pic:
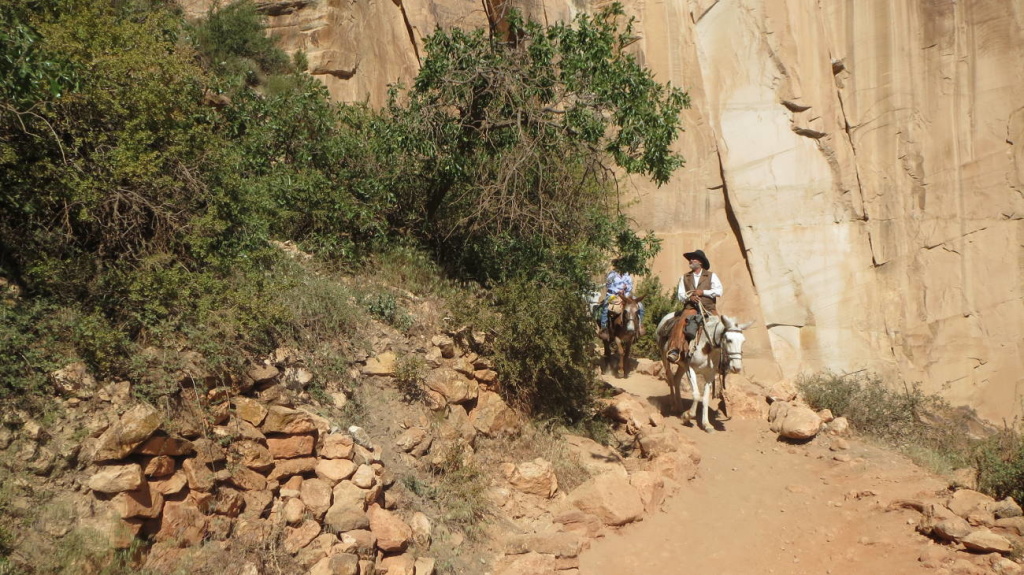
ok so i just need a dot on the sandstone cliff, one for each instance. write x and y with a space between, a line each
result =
855 169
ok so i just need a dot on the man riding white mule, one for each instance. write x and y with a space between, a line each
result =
698 290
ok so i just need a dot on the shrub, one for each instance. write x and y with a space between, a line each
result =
319 307
7 536
657 303
384 306
410 374
544 350
460 491
413 269
232 41
893 415
924 426
30 348
544 439
830 391
999 462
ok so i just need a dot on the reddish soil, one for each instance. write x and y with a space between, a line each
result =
760 505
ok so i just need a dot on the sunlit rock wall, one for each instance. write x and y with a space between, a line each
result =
871 159
854 169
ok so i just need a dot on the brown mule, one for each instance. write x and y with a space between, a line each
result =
623 330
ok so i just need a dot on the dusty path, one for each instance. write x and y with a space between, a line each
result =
762 506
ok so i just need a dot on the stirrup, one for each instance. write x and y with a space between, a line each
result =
672 355
602 334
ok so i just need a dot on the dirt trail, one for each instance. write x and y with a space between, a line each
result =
762 506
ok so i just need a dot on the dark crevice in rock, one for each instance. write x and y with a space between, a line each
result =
409 30
794 107
699 17
282 7
809 133
734 223
341 74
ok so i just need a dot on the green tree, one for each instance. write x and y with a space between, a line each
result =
516 143
123 203
233 44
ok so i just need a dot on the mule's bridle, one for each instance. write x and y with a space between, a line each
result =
719 341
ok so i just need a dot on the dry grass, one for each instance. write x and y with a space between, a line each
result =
931 432
536 440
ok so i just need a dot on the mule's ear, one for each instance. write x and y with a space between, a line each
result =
641 298
744 326
728 322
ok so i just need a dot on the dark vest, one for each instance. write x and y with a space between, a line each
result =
704 284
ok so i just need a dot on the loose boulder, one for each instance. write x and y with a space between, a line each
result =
130 431
535 477
610 497
393 534
117 478
794 421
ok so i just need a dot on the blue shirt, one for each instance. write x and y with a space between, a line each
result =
617 282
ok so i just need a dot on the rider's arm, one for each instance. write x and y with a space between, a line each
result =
681 290
609 282
716 287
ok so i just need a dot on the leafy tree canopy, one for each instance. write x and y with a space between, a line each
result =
146 163
517 142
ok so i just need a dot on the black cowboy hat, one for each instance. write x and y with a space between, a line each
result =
698 255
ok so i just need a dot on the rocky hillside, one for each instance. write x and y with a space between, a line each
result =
412 466
854 170
268 474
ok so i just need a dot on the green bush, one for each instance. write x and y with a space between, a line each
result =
999 462
410 375
924 426
7 537
657 303
544 350
460 491
30 75
318 307
414 270
316 168
232 42
105 173
893 415
137 206
30 348
384 306
830 391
